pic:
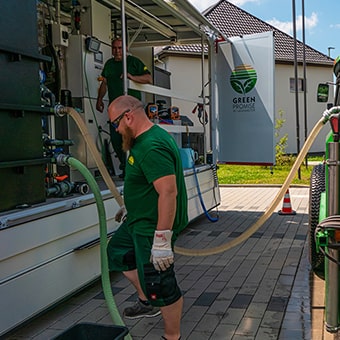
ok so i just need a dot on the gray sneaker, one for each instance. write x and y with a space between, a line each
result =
139 310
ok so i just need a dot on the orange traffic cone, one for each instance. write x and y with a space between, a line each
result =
287 207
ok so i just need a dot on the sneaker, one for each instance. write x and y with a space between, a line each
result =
139 310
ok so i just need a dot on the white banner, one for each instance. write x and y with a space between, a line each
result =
244 117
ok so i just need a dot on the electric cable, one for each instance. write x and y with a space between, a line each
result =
206 213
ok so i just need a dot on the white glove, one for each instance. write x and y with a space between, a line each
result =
121 214
161 253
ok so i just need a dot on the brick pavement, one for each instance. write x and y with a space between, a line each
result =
261 289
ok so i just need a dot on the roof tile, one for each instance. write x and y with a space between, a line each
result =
233 21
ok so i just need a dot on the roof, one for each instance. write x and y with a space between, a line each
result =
232 21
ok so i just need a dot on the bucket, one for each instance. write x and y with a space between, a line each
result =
90 331
188 156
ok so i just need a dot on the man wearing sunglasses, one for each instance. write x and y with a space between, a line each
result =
112 81
156 203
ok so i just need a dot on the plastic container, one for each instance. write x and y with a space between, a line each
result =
91 331
188 156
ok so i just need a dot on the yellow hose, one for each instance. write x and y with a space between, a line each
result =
226 246
95 154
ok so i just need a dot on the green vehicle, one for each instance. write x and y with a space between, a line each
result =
324 209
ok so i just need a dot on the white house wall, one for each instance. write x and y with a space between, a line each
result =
285 102
186 77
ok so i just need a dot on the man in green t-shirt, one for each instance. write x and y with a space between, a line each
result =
156 204
112 81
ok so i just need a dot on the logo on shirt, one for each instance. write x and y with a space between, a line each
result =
131 160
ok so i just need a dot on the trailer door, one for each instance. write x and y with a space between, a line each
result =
243 117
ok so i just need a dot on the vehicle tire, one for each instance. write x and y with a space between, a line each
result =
317 186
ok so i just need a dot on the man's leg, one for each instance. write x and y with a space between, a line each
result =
142 307
122 258
132 276
172 315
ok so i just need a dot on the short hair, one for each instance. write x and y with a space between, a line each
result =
116 39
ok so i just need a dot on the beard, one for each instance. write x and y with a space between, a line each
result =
128 140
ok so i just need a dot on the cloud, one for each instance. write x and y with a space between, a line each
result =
201 5
287 26
242 2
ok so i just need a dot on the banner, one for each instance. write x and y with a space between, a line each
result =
244 120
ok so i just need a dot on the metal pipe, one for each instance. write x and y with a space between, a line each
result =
332 269
124 43
296 88
304 76
203 98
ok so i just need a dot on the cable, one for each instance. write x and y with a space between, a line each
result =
206 213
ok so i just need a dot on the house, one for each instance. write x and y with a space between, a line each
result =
183 61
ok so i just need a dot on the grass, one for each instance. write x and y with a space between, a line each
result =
244 174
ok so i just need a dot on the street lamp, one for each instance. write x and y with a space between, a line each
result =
329 51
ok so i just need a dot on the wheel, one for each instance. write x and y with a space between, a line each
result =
317 186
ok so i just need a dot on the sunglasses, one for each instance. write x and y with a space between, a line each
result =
116 122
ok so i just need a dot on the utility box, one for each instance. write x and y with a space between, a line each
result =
96 21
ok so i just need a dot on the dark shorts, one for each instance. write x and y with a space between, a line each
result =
127 251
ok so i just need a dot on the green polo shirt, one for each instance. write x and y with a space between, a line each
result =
113 71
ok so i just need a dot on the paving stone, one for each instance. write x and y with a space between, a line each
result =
259 290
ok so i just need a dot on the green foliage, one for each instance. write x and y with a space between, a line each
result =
280 147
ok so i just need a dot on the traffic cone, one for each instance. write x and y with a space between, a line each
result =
287 207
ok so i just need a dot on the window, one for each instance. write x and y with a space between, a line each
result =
300 84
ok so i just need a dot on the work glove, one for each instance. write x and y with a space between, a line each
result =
121 214
161 252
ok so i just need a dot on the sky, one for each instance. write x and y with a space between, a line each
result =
322 19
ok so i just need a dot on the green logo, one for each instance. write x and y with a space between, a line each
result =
243 79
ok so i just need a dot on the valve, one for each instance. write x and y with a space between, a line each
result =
334 120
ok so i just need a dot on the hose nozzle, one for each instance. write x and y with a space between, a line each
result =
328 113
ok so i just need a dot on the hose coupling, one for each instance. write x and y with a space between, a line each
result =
328 113
60 110
61 159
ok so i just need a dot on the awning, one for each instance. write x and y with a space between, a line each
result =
161 22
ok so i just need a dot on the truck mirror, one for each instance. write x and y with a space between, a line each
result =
323 90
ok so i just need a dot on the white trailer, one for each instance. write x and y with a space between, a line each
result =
49 245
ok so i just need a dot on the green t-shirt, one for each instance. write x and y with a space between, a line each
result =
113 71
153 155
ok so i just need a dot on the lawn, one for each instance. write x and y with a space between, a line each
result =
244 174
